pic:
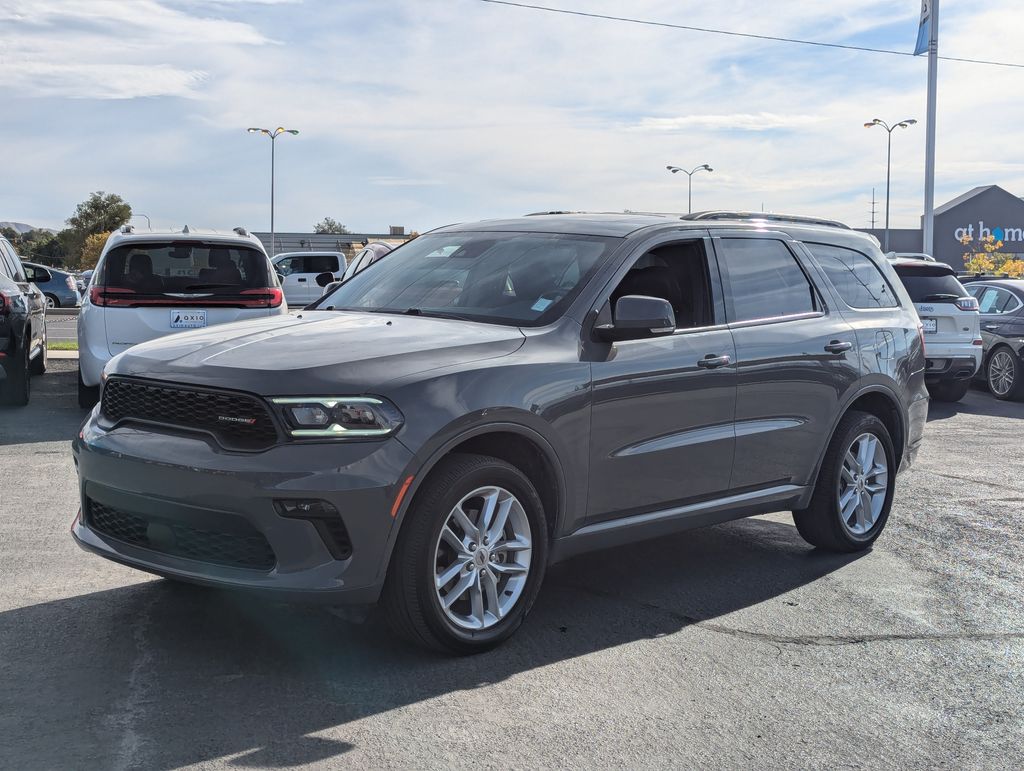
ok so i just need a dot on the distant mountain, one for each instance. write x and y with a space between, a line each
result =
21 227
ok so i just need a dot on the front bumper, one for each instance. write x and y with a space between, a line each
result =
179 506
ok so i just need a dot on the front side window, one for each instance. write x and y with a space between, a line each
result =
763 280
857 279
290 265
505 278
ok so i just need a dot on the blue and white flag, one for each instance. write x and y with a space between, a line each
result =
922 31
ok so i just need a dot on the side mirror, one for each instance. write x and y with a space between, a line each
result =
323 279
331 287
637 317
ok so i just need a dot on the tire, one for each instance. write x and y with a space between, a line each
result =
87 395
52 301
1003 374
822 524
411 601
17 388
40 362
949 390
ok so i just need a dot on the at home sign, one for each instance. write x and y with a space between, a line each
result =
999 233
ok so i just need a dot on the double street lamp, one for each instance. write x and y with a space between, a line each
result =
273 134
888 161
689 181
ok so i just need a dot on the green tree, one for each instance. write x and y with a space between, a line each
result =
330 225
100 213
10 234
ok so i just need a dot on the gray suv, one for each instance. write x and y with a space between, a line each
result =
498 396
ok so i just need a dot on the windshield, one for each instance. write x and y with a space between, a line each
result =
505 278
185 267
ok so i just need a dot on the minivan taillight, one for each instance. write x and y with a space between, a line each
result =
5 304
111 296
267 297
968 304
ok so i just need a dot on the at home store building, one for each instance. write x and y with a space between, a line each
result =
986 210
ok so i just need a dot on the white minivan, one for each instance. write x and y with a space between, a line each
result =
151 284
299 271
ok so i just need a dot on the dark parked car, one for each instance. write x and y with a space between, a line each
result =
58 286
22 329
494 397
1001 302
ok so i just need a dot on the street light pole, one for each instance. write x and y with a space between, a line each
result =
273 134
888 162
689 181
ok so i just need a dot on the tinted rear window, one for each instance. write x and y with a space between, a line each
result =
934 285
185 267
764 279
856 278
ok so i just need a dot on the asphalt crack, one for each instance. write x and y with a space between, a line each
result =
807 640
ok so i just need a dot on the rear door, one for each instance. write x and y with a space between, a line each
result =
149 290
795 356
999 312
934 290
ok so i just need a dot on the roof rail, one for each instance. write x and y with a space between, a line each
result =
755 216
241 231
542 213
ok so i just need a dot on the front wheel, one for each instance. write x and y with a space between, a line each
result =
853 494
470 558
949 391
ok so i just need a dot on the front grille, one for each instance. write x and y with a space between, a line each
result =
237 550
238 421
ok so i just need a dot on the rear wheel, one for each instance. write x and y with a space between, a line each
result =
87 395
949 390
853 494
1003 374
470 557
18 386
52 301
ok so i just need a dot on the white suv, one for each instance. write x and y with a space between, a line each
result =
299 272
151 284
950 322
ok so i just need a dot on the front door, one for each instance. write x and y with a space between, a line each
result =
663 408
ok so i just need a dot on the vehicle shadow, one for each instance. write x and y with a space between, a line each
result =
978 401
166 675
52 414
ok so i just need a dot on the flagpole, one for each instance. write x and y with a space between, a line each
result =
929 148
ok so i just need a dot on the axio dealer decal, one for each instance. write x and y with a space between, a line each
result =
998 233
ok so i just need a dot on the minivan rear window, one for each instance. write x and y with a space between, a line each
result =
930 283
185 267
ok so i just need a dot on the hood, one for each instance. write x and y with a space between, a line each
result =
316 352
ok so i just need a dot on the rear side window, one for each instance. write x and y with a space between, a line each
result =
930 284
857 279
995 300
763 280
321 263
184 268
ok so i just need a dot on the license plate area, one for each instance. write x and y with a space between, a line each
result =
931 326
188 319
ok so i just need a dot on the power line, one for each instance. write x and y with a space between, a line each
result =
732 33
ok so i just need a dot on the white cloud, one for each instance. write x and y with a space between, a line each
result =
763 121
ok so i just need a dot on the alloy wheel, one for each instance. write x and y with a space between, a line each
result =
482 558
1001 372
863 484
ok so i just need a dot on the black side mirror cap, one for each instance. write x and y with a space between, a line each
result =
323 279
637 317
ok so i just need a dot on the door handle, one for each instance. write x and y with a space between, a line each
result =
838 346
990 327
711 361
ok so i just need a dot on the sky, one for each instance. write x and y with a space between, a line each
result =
426 112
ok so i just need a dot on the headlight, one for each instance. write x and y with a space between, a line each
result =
338 417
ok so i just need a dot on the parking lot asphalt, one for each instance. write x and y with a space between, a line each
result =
732 646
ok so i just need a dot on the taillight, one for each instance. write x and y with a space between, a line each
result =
968 304
268 297
5 304
70 282
111 296
977 341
